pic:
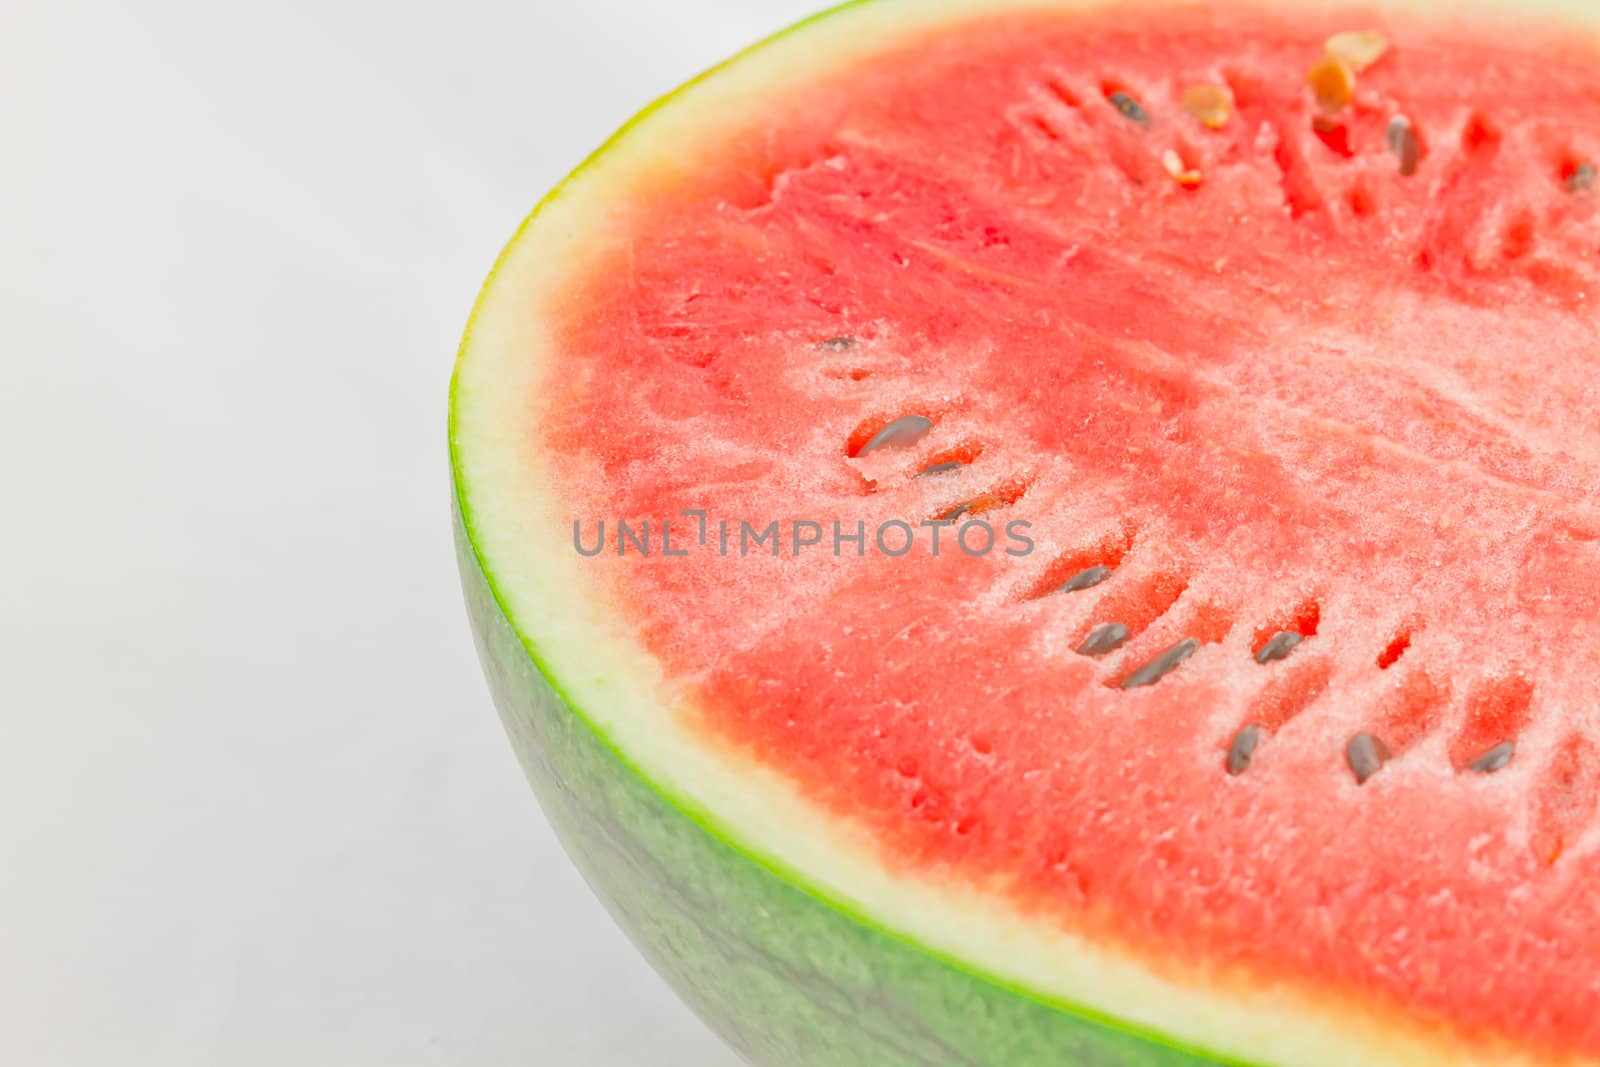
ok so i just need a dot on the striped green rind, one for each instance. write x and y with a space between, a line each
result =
783 976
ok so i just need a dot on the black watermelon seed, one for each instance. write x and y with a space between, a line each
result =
1129 108
1496 759
1367 755
904 431
1085 579
1107 637
1582 179
954 513
1404 144
1278 646
836 344
941 468
1162 665
1243 748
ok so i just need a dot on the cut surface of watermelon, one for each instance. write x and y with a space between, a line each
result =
1132 498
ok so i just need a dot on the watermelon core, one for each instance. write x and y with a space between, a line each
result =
1286 370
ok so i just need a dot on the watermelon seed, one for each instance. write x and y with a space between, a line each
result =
1366 754
1186 176
1107 637
1582 179
901 433
1210 104
1495 759
1243 748
1162 665
836 344
1129 108
941 468
1278 646
1403 142
1085 579
979 504
1332 82
1357 49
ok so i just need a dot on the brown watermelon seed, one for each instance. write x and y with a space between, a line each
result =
1366 754
976 506
1582 179
1496 759
1085 579
941 468
1210 104
1107 637
1129 108
1243 748
836 344
1357 49
903 432
1403 142
1162 665
1278 646
1333 83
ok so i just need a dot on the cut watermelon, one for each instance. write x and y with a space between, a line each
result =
1244 363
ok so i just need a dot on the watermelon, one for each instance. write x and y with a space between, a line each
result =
1012 533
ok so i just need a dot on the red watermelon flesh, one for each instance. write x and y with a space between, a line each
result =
1330 371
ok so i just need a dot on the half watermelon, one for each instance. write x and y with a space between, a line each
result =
1014 533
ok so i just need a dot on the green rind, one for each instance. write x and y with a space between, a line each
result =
785 977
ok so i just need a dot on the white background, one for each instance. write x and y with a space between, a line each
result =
255 807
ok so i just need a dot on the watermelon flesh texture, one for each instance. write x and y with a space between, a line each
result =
1314 388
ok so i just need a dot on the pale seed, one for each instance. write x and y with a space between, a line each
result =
1211 104
1357 49
1184 176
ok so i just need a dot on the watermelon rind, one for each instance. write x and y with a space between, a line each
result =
775 922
